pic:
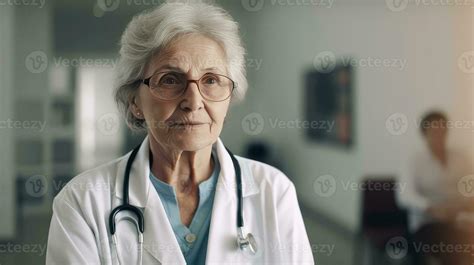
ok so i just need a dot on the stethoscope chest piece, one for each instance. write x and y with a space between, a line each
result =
247 243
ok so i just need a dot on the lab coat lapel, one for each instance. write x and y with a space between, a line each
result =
159 239
222 243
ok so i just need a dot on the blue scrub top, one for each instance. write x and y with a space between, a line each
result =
193 239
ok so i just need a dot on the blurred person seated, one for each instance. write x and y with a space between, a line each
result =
437 208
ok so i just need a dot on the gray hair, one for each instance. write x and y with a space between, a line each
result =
151 31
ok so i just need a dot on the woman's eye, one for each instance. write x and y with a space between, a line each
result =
210 80
170 79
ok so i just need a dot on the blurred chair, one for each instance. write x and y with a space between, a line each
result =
382 221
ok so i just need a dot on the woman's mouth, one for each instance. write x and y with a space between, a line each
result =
187 124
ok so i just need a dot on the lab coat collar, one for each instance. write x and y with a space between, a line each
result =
139 186
227 176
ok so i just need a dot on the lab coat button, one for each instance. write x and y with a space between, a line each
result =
190 238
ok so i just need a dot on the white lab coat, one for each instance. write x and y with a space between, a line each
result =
79 231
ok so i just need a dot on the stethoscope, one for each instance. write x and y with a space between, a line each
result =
246 242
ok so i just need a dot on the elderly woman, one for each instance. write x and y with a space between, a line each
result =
180 197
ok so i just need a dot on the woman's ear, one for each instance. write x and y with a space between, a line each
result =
134 107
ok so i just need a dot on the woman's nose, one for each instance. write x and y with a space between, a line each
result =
192 98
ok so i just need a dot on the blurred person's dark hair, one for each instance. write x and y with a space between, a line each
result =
430 117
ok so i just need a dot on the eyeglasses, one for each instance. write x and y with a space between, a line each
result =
172 85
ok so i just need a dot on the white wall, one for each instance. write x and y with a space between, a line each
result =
7 179
288 38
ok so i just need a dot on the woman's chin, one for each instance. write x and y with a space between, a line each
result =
192 142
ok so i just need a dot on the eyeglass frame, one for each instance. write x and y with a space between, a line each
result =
146 81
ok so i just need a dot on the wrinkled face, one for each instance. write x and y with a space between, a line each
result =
189 122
